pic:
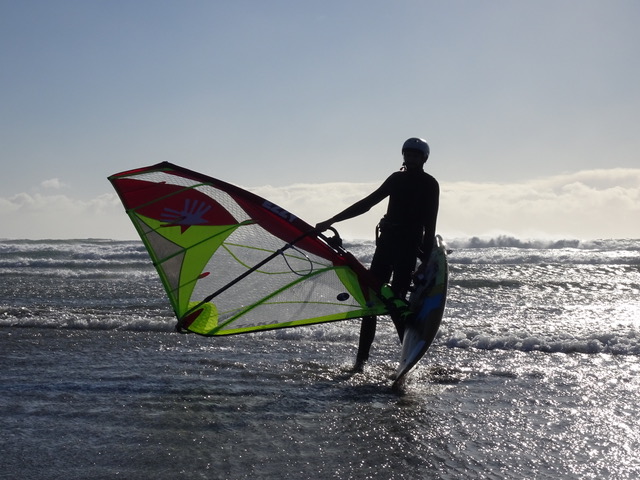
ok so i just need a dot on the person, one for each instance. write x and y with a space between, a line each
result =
405 233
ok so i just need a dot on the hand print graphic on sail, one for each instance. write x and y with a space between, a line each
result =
192 213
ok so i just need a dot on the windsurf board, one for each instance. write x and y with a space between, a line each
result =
426 301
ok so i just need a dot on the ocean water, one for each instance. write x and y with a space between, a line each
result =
535 374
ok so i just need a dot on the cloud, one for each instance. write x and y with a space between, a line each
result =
583 205
317 202
587 204
38 216
53 183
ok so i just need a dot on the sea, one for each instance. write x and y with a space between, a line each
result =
534 374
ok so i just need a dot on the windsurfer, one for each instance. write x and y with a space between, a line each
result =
406 232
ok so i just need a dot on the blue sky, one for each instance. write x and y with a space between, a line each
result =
531 108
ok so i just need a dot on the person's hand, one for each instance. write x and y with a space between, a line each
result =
322 226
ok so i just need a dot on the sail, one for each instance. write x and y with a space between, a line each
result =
232 262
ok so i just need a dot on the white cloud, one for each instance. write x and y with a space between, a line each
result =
53 183
583 205
61 216
317 202
588 204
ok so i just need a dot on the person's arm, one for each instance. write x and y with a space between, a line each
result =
358 208
429 222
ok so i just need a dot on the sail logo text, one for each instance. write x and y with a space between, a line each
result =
281 212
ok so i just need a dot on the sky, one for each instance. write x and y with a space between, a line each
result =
531 109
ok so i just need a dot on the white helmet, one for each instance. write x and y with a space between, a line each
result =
417 144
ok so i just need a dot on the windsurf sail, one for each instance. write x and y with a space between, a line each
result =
232 262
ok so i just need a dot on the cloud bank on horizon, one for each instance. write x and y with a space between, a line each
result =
588 204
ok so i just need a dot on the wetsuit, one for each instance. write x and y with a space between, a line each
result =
406 232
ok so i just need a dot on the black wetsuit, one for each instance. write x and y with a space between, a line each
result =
406 231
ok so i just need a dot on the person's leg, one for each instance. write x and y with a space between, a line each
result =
381 269
404 264
367 334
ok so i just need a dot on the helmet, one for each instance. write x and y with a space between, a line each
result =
417 144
